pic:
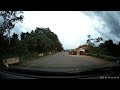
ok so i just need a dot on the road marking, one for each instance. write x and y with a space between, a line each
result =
29 66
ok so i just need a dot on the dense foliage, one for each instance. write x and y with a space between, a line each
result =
41 40
110 48
10 18
106 48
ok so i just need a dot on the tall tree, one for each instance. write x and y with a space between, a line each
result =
22 36
95 40
15 36
14 40
10 19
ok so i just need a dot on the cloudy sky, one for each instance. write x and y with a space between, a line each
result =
72 27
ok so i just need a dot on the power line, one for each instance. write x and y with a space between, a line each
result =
22 26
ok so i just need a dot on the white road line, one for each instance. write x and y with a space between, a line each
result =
29 66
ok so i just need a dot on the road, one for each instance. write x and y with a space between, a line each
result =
62 61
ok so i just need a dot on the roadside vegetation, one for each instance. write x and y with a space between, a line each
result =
107 50
30 44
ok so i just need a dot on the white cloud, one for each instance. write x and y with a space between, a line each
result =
72 27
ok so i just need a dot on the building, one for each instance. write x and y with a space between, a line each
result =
80 50
85 47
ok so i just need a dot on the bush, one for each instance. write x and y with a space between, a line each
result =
26 57
105 57
95 55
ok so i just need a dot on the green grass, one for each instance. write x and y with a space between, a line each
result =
28 57
105 57
32 56
23 58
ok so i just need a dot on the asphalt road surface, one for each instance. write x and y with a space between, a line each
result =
62 61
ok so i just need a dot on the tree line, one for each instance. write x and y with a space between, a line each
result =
40 40
107 48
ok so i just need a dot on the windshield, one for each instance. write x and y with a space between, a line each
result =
59 41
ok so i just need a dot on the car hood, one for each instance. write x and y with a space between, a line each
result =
70 73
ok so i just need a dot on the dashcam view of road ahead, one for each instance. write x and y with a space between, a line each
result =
60 42
63 62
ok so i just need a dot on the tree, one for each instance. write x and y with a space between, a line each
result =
42 40
95 40
119 44
98 39
110 48
10 19
15 36
22 36
14 40
89 42
54 43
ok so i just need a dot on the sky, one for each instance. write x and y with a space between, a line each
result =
72 27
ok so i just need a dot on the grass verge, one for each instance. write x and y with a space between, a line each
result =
32 56
28 57
104 57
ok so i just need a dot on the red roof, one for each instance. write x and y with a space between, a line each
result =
86 47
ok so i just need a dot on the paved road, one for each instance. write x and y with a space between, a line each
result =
63 61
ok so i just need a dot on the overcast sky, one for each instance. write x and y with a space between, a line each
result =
72 27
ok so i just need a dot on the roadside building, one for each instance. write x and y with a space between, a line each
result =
85 47
81 50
